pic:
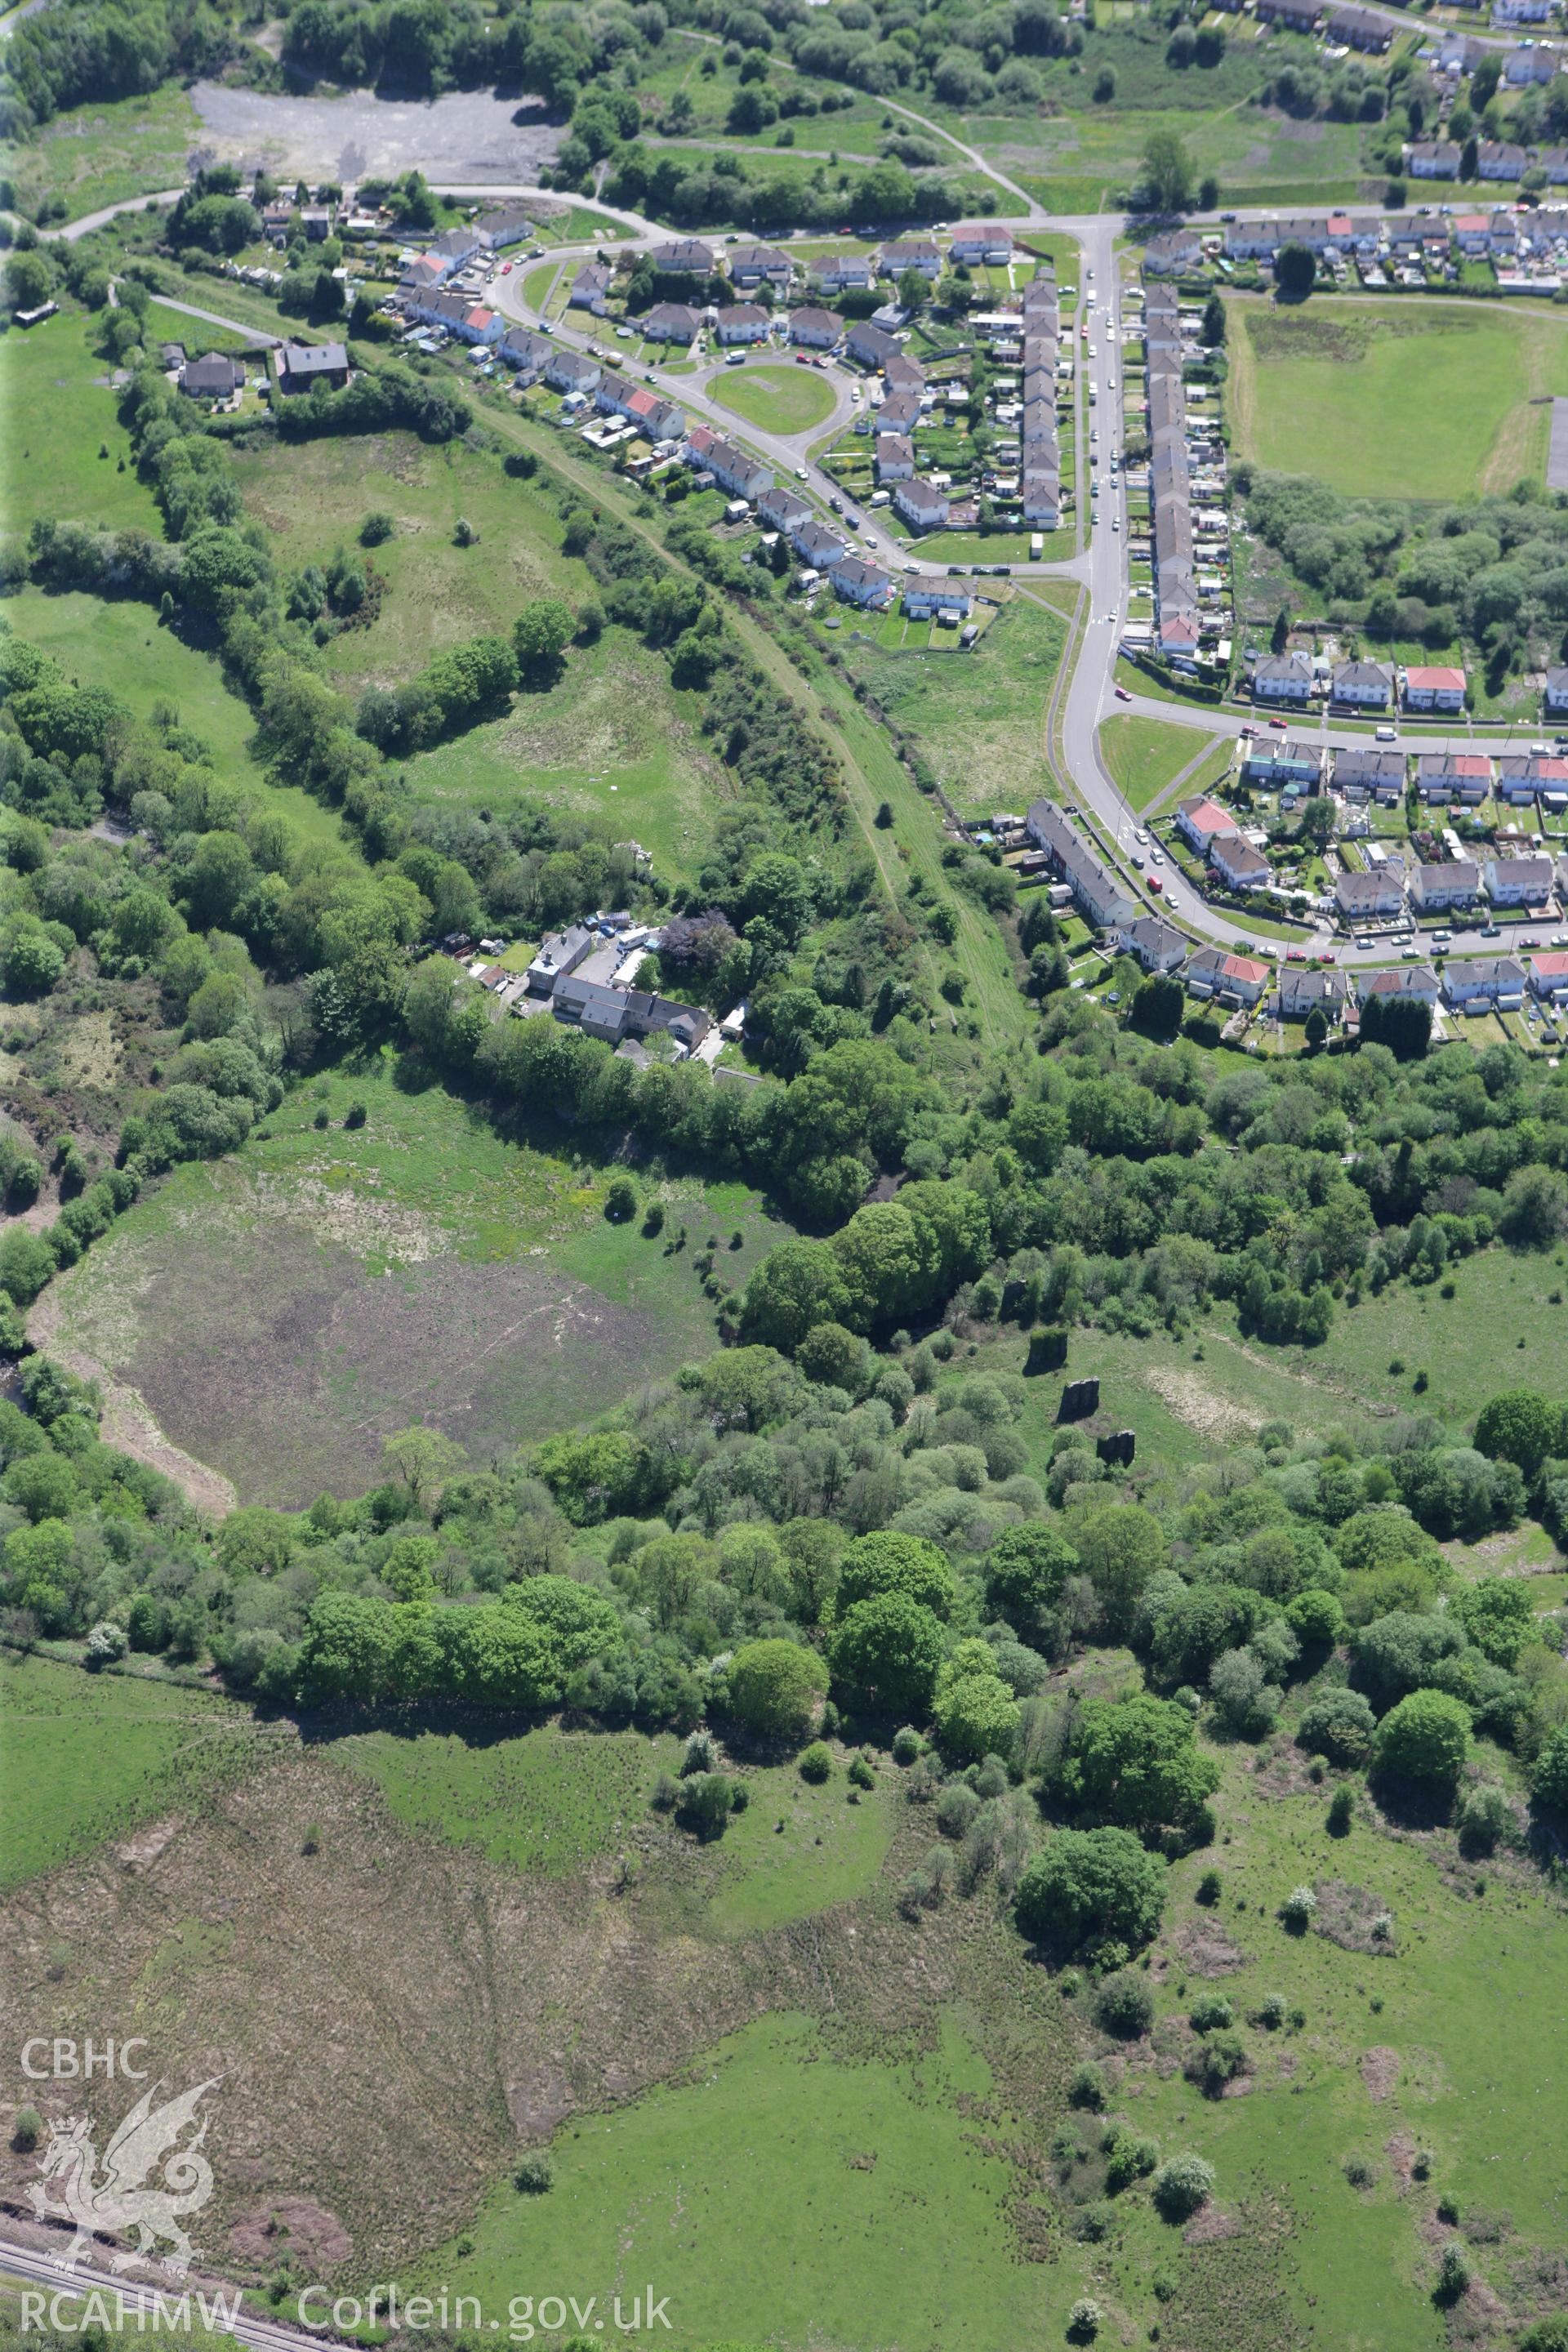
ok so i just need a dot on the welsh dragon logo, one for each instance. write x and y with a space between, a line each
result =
129 2196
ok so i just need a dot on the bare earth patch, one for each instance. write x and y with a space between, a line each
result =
1380 2072
1202 1408
1345 1915
297 2226
1213 2226
1205 1951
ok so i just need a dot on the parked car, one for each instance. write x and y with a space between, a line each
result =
1278 722
1124 695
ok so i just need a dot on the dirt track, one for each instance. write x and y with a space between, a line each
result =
470 135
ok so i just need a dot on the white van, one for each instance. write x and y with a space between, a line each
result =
1385 734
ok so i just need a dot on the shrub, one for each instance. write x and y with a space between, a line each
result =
1454 2271
1210 1889
1551 1773
621 1199
704 1806
701 1753
817 1762
105 1644
1342 1812
1182 2185
1091 1886
1210 2012
1087 2088
775 1687
1486 1821
1220 2059
907 1745
1338 1724
665 1793
1425 1739
1298 1910
1127 2158
534 2176
956 1809
1084 2319
1358 2172
1124 2004
861 1774
27 2130
1270 2011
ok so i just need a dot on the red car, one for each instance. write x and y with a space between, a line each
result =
1122 694
1154 883
1280 723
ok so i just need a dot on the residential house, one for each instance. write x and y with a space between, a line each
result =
591 287
1283 678
1434 689
497 230
1529 65
742 322
818 545
926 594
1521 779
1100 896
982 241
900 413
657 420
454 246
1303 992
1555 699
568 371
732 468
859 582
894 458
1364 770
1438 889
671 322
1239 866
592 1005
1203 821
836 273
303 366
917 253
1363 684
1358 29
1361 897
1296 16
1501 159
1492 981
1274 762
212 377
1411 984
923 507
1432 159
1178 636
759 264
901 373
782 509
559 955
1230 979
818 329
1155 944
1549 976
1518 881
1171 251
1464 776
683 256
1261 240
317 221
1472 234
868 346
529 353
422 273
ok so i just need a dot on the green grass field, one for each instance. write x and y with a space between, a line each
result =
283 1309
776 399
978 717
1144 755
122 647
59 411
1461 381
102 153
84 1758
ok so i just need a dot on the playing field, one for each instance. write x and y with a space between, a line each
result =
1420 400
779 399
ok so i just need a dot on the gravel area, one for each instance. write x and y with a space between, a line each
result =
470 135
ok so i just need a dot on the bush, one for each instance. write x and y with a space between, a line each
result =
1209 2011
664 1794
105 1644
1358 2172
775 1688
1210 1889
1424 1739
817 1762
956 1809
1338 1724
1093 1886
1486 1821
1084 2320
1298 1910
1454 2271
1270 2011
1182 2185
27 2130
1340 1812
860 1774
1124 2004
1550 1783
1219 2060
534 2176
621 1201
1087 2088
705 1803
907 1745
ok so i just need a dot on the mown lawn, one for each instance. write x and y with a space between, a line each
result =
1144 755
776 399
